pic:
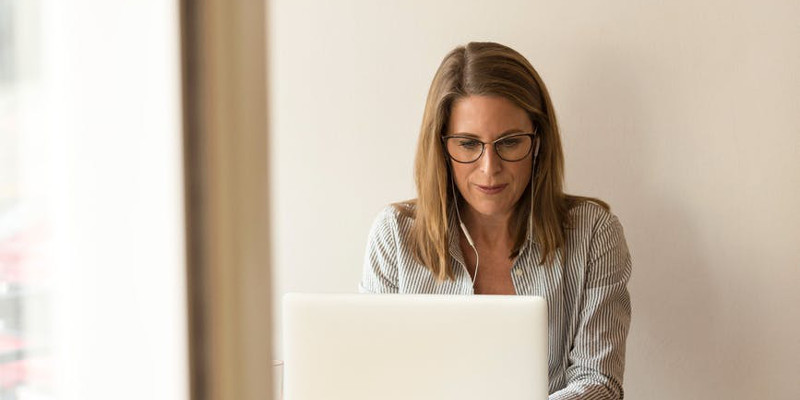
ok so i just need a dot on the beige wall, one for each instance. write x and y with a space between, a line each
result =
683 115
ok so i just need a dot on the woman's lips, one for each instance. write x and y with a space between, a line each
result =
492 189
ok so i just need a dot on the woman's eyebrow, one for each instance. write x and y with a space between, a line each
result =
511 132
472 135
508 132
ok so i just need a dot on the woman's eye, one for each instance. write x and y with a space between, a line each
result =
468 144
511 142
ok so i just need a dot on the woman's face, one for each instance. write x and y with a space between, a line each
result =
490 185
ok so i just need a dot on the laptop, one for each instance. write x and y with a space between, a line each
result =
414 347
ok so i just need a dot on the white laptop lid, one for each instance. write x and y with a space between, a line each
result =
420 347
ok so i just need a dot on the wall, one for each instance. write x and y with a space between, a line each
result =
683 115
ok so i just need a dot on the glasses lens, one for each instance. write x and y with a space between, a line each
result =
514 148
464 149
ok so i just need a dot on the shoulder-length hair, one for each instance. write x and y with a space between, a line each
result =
494 70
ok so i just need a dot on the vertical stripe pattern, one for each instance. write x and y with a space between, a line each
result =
585 287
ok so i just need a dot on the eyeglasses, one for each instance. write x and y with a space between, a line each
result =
467 149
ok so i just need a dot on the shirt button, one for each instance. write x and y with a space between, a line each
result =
518 272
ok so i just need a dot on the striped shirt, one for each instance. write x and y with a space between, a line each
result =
588 304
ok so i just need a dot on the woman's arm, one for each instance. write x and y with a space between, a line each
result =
597 358
380 259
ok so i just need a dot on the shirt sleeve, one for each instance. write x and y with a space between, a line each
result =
380 258
597 358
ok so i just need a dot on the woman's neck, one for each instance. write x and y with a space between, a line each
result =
488 230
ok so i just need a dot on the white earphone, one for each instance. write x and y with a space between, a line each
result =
464 229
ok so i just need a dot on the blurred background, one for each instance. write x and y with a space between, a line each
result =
684 116
92 291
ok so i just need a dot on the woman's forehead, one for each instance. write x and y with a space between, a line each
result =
487 117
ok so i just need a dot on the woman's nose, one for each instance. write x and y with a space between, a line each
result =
490 162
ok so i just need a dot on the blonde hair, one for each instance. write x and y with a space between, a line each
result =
496 70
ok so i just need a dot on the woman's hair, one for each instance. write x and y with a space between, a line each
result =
488 69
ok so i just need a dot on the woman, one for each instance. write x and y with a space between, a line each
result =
491 217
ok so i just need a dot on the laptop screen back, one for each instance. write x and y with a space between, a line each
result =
422 347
